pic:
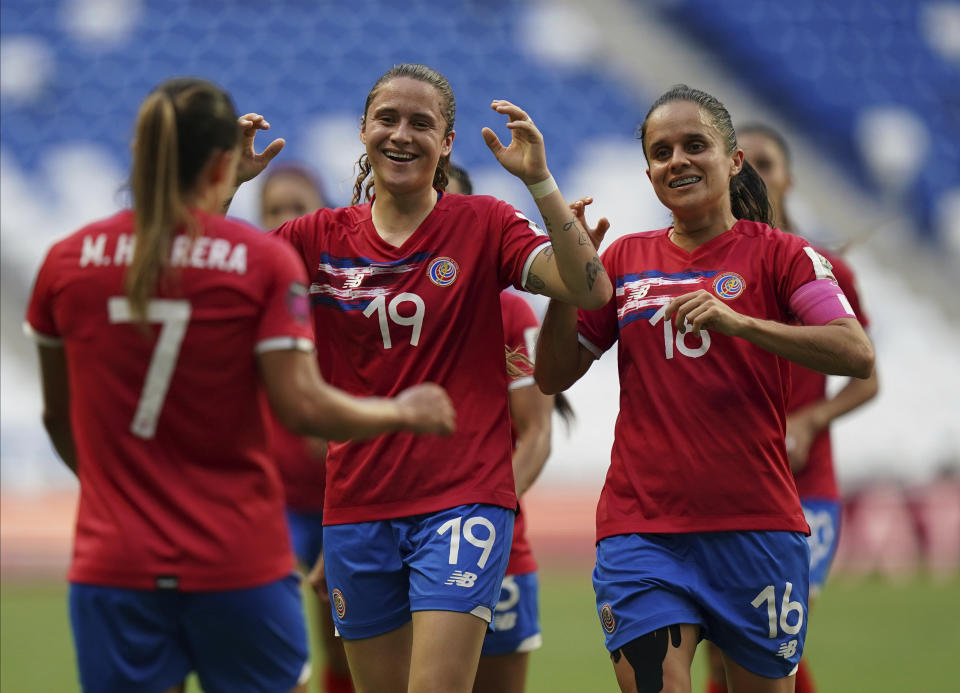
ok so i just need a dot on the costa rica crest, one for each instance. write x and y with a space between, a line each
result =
443 271
728 285
606 618
339 603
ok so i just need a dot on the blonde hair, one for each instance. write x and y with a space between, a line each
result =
179 126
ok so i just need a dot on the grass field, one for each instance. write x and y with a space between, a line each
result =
867 636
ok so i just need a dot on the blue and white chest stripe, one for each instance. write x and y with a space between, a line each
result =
632 290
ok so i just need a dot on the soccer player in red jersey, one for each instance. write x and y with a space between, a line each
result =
163 334
290 191
506 651
700 532
810 409
405 288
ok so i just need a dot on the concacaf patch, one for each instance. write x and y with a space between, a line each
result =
728 285
339 603
297 302
443 271
606 618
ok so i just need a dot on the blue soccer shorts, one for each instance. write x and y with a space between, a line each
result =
306 535
823 516
747 591
451 560
516 619
246 640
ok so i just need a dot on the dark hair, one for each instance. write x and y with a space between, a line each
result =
181 124
748 193
786 223
563 407
296 171
460 175
774 136
448 108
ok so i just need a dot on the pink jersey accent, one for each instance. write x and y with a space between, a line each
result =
390 317
198 498
818 479
518 320
820 302
699 441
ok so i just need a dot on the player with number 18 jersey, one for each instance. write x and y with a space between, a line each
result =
679 463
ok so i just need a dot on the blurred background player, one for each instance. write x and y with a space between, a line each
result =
699 528
290 191
162 333
405 288
810 409
506 651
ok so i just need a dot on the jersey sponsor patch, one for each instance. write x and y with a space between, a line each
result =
339 603
443 271
728 285
606 618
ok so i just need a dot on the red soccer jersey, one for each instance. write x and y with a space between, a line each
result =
817 479
387 318
176 485
520 333
302 469
699 441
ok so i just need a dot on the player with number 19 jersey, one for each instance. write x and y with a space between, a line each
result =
389 317
699 441
177 489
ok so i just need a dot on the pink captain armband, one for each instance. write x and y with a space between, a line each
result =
820 302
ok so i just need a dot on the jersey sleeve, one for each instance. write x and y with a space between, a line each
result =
40 323
301 234
520 328
285 322
599 329
520 241
848 283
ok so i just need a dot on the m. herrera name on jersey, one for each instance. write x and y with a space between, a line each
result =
202 253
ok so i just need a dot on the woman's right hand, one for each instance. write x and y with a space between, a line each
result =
426 408
251 163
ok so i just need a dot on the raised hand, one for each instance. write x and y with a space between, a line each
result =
596 233
525 156
251 163
426 408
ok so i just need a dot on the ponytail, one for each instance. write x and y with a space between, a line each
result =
157 202
180 126
748 196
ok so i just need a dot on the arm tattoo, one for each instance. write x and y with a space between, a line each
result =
546 223
535 283
570 224
548 253
594 268
582 239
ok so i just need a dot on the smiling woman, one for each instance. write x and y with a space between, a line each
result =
406 289
700 532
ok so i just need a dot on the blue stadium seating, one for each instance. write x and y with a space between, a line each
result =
824 63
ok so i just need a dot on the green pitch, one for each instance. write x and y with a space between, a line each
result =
864 636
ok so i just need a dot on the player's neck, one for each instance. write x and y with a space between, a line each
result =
396 217
691 232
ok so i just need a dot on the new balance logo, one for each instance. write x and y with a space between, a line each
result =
354 280
787 649
461 579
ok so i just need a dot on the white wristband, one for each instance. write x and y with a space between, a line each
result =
543 188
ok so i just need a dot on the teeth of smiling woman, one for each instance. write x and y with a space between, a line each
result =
684 181
399 156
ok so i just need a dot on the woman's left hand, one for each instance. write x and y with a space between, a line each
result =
525 157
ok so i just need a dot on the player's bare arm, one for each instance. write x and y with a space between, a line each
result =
56 402
840 347
572 272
